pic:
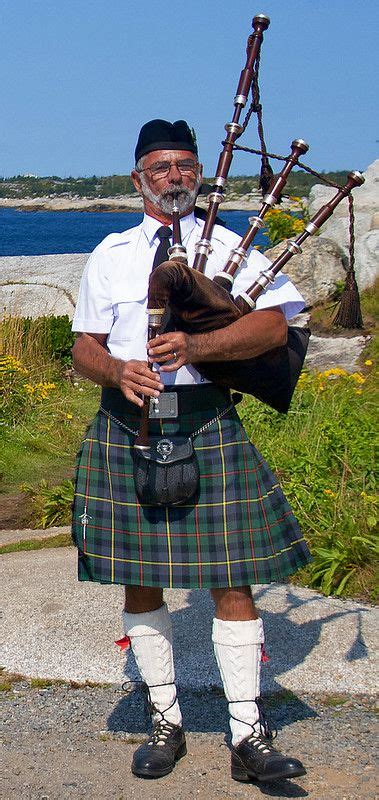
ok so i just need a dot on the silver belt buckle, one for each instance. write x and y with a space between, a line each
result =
164 407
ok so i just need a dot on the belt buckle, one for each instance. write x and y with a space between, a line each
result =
164 407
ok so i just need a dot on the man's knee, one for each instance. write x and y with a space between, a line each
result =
235 603
139 599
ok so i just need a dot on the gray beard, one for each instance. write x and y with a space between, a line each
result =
185 198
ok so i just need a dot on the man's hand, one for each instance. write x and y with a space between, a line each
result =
135 378
247 337
173 350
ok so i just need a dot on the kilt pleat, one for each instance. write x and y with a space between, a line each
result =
240 529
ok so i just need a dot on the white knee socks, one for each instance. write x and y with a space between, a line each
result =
238 647
151 640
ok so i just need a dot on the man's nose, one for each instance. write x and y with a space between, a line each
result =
174 173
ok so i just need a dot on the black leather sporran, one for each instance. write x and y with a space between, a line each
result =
167 472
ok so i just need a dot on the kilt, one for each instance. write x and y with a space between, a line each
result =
239 530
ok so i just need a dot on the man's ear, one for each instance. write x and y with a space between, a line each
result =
136 178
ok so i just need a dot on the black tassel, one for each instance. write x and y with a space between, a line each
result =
349 314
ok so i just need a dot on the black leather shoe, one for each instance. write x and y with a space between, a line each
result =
159 754
255 759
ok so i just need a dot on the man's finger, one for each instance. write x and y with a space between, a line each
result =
162 359
163 338
141 368
142 388
133 398
143 378
174 366
163 349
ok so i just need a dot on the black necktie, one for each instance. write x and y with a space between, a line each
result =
164 234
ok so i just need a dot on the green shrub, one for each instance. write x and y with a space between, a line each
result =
337 561
51 504
323 454
283 224
57 336
19 391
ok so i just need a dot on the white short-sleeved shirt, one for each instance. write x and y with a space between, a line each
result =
113 291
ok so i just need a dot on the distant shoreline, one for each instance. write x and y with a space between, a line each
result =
125 204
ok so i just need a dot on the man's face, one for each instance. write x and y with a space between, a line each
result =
165 174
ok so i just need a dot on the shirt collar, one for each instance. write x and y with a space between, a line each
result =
150 226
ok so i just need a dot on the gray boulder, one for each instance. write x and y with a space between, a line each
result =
366 212
31 286
316 270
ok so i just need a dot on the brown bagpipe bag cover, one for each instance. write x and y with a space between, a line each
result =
199 305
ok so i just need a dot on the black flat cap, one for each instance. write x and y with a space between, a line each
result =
158 134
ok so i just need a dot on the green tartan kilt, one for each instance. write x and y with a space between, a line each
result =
238 531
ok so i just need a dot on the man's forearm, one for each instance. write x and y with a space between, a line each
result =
249 336
92 360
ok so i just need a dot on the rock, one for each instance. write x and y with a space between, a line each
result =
366 213
316 271
31 286
342 351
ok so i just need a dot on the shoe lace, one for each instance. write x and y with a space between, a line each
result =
266 731
162 726
160 733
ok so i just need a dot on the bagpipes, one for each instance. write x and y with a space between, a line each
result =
200 305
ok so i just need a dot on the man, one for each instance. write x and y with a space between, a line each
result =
239 530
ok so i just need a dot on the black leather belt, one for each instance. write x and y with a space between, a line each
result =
190 397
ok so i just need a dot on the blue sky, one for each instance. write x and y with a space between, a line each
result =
79 78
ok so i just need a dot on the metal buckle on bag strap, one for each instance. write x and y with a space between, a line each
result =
164 407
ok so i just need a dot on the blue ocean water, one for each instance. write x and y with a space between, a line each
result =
32 233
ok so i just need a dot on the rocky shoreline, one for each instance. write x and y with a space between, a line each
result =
125 203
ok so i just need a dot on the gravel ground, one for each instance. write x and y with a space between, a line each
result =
62 743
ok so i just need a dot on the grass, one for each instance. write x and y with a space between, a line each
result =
8 681
335 700
61 540
323 455
43 443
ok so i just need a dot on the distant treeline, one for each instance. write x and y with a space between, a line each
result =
22 186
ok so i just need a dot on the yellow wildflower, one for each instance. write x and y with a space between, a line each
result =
329 493
68 416
358 391
335 372
370 498
357 377
11 364
368 362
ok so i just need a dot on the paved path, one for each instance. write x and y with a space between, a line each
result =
55 627
31 534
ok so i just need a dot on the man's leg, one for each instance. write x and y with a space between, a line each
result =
148 625
238 638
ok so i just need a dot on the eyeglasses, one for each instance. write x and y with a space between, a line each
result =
160 169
